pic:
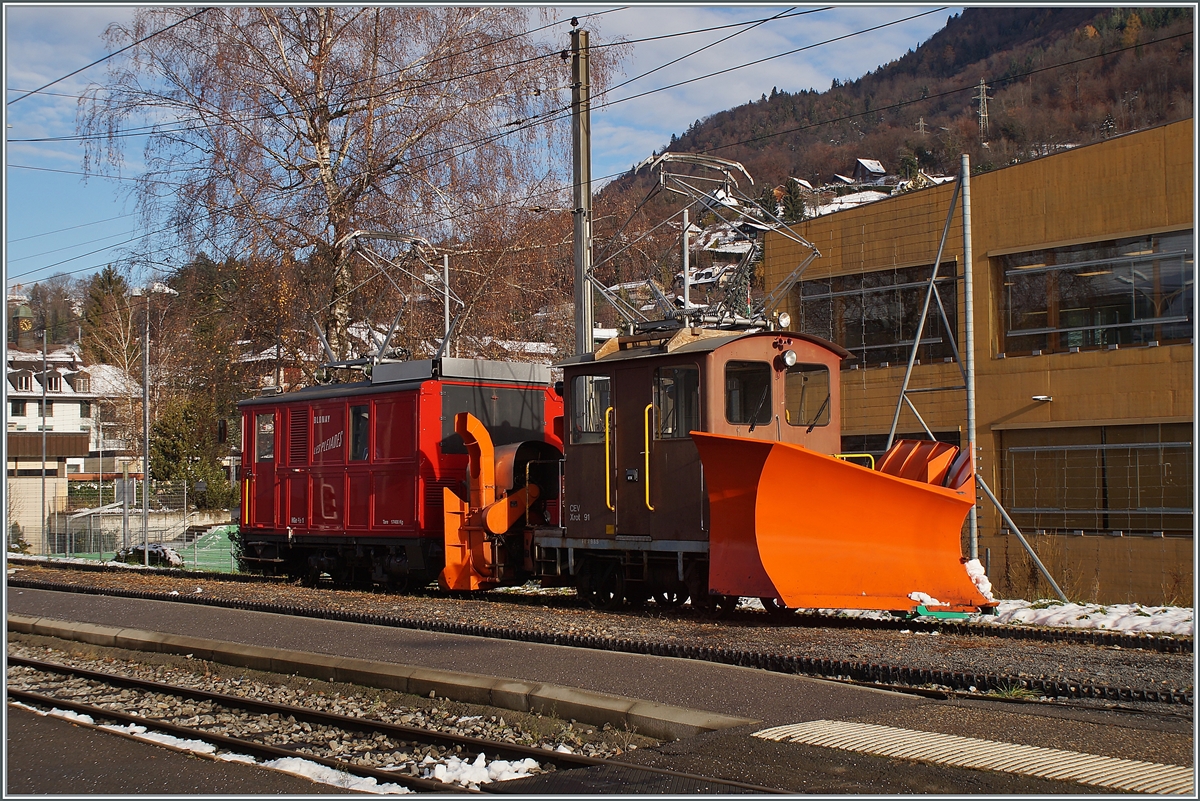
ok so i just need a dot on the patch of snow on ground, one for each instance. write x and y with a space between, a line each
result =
480 771
336 778
245 759
924 599
1132 618
76 560
67 715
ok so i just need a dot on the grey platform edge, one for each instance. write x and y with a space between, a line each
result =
660 721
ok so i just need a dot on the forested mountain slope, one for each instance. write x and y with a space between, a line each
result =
1056 77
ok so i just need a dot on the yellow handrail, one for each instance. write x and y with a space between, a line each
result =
649 407
867 456
608 460
246 502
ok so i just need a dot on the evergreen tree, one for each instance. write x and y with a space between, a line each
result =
793 203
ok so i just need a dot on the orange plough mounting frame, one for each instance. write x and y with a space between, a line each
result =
818 532
472 528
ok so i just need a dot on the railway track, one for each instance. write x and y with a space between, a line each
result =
1172 644
389 753
922 680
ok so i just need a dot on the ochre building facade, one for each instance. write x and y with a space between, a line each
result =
1083 318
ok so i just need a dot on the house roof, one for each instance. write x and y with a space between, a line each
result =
872 166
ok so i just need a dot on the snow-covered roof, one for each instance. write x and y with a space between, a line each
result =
843 178
720 196
872 166
802 183
739 246
850 201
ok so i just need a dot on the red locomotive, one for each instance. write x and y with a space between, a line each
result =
684 462
347 479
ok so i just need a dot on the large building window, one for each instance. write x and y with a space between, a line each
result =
874 315
1121 292
1134 479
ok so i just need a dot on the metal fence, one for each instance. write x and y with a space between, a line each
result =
96 525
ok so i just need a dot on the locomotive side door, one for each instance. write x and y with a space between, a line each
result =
262 474
658 466
590 497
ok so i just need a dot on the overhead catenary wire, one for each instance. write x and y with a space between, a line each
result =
779 133
151 130
503 133
106 58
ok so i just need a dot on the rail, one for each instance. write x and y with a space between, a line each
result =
845 457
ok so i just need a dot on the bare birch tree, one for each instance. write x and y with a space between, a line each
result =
273 133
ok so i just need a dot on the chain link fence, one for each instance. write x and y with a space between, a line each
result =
102 520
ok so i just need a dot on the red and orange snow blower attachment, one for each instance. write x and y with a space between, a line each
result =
819 532
475 530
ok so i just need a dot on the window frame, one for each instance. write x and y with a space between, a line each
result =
1065 279
824 410
360 432
765 405
581 407
694 417
261 435
894 297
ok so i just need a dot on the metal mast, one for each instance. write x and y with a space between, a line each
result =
581 140
969 336
983 98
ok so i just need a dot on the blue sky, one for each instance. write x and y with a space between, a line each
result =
57 222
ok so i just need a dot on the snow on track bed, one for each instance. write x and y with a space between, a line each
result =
399 735
825 649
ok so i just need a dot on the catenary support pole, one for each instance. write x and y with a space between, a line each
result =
125 505
687 271
446 295
45 513
969 344
146 434
581 140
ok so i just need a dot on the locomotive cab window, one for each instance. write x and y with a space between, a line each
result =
264 437
677 401
806 395
748 393
359 428
591 396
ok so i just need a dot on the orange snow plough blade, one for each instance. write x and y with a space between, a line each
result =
818 532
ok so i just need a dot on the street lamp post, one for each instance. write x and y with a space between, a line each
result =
160 289
45 514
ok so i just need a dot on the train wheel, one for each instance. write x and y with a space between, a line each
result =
719 606
603 585
671 597
776 609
